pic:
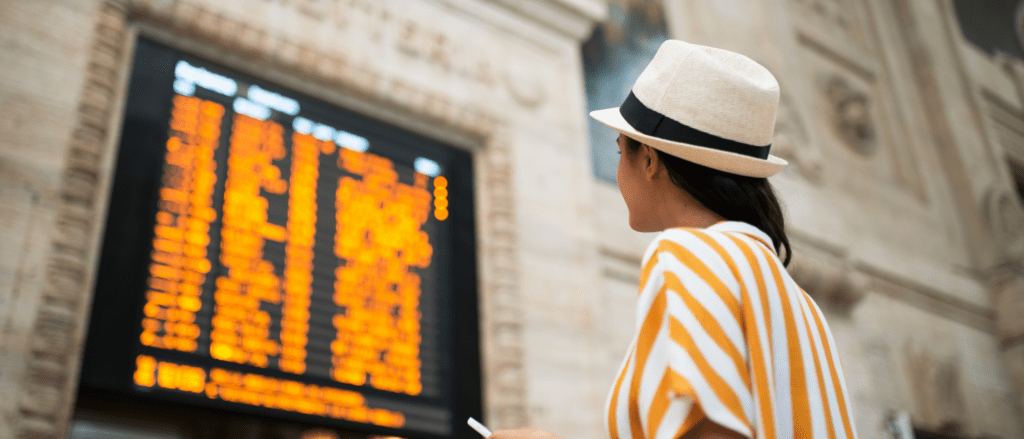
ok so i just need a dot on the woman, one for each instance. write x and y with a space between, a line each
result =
727 345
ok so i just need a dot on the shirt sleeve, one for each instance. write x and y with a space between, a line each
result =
691 348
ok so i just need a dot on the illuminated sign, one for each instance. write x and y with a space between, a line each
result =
266 253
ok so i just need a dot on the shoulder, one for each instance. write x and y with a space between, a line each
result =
695 249
704 268
687 243
725 250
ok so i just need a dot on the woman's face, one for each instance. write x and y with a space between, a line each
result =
634 184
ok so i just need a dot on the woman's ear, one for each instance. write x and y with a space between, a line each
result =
651 162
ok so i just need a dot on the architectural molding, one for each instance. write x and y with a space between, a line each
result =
232 36
502 329
1005 218
791 141
1008 124
574 18
837 21
45 397
937 302
932 102
839 282
855 65
829 278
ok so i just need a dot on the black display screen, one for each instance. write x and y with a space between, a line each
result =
268 253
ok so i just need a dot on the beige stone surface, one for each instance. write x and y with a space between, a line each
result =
45 52
900 357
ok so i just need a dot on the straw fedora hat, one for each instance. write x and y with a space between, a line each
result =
709 106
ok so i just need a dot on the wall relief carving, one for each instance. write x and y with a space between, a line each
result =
851 114
332 67
791 141
836 18
857 91
829 11
435 46
829 278
1006 218
523 84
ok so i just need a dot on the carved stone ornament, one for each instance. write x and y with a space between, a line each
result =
851 115
829 11
790 141
524 83
829 279
1005 217
837 18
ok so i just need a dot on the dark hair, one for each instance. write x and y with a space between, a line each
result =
733 197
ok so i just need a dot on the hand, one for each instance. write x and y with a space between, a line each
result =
523 433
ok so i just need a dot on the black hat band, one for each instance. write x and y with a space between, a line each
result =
655 124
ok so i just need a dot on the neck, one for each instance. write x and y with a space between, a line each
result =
677 208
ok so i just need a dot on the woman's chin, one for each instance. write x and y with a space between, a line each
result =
640 226
633 223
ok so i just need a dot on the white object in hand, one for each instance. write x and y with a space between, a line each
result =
484 431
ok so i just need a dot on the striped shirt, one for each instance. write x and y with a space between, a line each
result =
724 333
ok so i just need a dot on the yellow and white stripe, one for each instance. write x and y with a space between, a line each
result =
724 333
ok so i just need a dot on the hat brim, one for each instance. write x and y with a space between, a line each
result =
721 160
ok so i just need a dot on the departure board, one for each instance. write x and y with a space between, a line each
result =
268 253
